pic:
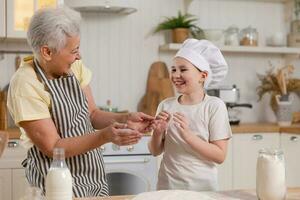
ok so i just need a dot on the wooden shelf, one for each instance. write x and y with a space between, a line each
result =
242 49
281 1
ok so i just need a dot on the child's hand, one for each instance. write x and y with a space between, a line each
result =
159 126
163 115
182 125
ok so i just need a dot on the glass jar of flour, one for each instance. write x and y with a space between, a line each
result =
270 175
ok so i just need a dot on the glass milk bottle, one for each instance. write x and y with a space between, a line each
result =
270 175
59 179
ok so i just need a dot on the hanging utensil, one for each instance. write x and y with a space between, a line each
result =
17 61
3 141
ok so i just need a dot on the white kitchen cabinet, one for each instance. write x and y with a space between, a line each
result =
290 144
225 170
19 13
245 151
5 184
2 19
13 184
19 184
12 175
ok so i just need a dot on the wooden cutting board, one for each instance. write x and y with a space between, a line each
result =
3 141
159 87
3 111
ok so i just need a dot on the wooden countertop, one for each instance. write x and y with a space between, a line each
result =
14 133
265 128
293 194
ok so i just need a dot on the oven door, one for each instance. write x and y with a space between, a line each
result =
130 174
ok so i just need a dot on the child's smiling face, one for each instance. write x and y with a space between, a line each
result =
186 77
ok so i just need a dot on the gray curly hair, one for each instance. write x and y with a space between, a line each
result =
51 27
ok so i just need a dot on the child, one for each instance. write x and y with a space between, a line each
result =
192 130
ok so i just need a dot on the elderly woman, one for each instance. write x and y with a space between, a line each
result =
50 99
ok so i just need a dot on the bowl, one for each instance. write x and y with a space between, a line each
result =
214 35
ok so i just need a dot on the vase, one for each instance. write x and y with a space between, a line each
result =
179 35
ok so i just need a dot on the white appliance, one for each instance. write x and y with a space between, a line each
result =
231 96
105 6
130 169
227 93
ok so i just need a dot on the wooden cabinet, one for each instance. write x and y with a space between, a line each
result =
19 13
5 184
245 151
2 19
225 170
290 144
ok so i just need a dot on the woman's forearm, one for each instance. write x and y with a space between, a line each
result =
45 137
78 145
101 119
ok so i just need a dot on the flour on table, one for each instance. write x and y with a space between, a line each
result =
172 195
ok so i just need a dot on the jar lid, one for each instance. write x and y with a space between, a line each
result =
232 29
271 151
249 29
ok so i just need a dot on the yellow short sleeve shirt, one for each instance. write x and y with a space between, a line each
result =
27 98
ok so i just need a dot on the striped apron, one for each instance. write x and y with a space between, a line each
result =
69 111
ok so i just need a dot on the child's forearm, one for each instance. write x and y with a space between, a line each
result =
214 151
156 144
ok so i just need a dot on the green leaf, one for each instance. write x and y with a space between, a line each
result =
179 21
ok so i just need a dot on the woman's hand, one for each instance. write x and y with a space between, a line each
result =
140 121
121 135
182 125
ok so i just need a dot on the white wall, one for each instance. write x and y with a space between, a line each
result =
268 18
120 49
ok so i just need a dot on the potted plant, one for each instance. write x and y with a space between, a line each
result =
279 84
180 25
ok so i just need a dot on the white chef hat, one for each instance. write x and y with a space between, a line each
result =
205 56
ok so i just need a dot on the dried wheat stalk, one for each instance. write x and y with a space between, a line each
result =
273 83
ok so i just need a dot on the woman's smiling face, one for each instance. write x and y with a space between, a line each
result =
62 60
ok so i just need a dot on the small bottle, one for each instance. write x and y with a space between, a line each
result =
59 179
108 106
270 175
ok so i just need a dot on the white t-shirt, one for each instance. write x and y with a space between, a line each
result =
181 166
